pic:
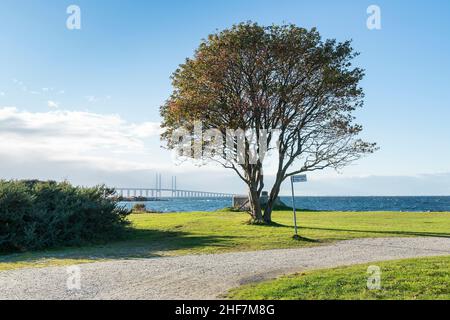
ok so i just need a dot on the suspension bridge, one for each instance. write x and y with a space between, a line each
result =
158 192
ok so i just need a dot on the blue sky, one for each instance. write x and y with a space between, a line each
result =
100 88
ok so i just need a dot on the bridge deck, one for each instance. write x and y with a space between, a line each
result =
168 193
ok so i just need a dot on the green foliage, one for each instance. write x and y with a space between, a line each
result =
139 207
37 215
254 77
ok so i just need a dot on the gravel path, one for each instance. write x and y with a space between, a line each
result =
205 276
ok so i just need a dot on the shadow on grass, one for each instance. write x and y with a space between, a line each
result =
387 232
138 244
304 239
267 225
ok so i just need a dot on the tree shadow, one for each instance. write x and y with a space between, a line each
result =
268 225
137 244
388 232
305 239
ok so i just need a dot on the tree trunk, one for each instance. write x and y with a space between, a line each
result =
255 205
268 212
271 201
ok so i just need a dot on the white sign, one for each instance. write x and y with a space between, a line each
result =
299 178
294 179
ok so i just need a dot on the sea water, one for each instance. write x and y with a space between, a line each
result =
415 204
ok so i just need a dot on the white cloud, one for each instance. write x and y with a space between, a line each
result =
92 98
99 141
52 104
90 148
146 129
376 185
42 91
21 85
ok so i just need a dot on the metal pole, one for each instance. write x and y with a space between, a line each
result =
293 207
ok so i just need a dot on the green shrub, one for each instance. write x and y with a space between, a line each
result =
139 207
37 215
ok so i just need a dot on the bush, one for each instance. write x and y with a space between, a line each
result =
37 215
139 207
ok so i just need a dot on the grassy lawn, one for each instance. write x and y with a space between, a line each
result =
155 235
425 278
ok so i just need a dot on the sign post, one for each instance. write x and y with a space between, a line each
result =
295 179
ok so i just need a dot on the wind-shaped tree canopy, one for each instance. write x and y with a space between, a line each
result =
283 80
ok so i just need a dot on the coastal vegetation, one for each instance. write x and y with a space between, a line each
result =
38 215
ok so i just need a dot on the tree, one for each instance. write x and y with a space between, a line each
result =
282 83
